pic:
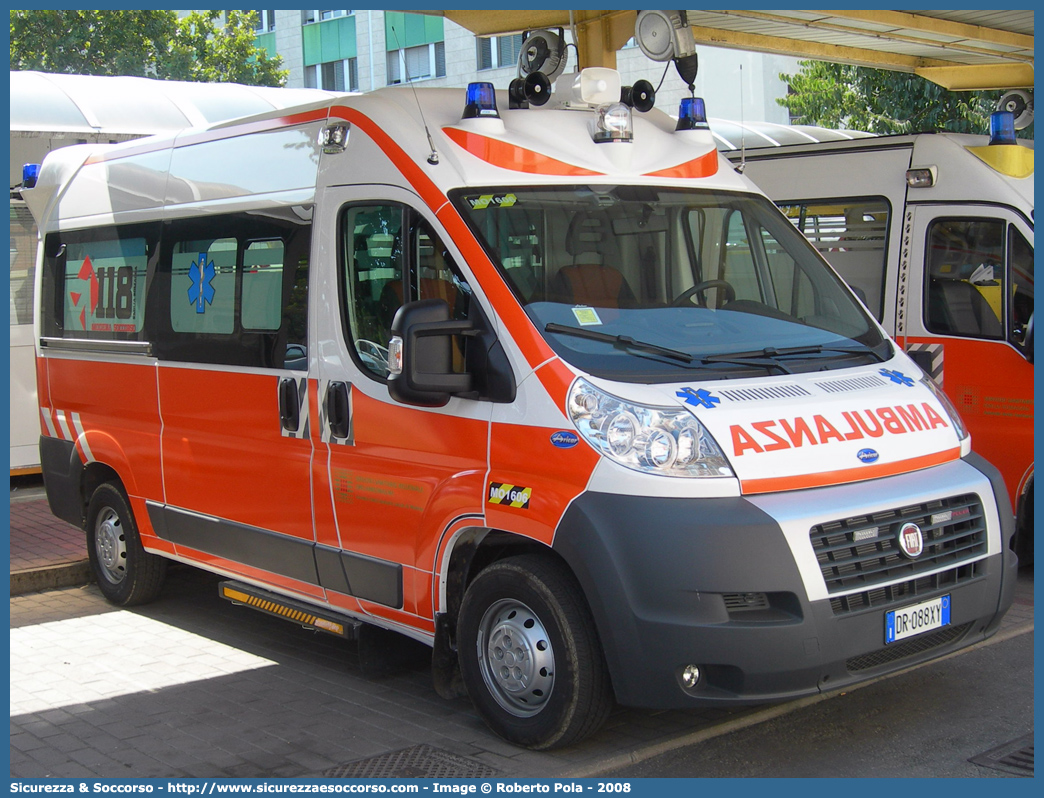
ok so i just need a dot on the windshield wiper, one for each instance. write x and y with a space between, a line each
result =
619 341
815 349
769 355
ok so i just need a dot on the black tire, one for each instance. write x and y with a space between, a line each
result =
550 687
126 574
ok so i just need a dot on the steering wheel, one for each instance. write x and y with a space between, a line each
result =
683 298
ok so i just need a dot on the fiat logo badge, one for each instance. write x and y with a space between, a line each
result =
911 541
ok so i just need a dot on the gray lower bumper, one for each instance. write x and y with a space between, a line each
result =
663 577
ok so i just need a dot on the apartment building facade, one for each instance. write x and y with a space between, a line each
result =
364 50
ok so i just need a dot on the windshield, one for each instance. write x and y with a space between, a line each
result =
643 283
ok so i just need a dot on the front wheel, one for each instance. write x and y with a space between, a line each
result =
530 655
126 574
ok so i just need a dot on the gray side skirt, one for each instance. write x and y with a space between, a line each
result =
342 571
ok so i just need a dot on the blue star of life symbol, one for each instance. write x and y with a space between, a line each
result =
700 398
201 292
897 377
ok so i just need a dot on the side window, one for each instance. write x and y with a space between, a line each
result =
966 277
1020 260
372 279
23 262
96 279
203 286
852 234
738 266
263 284
232 290
390 257
794 293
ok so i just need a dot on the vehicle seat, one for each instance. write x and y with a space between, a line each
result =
589 281
957 307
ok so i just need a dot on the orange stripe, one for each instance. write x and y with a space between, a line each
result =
510 156
704 166
825 478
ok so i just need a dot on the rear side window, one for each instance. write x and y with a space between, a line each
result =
96 281
232 290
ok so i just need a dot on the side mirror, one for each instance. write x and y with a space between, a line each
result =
420 354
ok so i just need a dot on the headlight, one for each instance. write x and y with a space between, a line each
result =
656 440
944 400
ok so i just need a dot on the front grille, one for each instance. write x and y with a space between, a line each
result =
743 602
905 592
861 553
908 648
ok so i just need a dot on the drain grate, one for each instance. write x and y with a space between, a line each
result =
415 762
1014 757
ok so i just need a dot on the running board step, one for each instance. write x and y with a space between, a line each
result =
281 607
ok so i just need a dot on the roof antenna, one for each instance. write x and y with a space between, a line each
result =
743 130
433 158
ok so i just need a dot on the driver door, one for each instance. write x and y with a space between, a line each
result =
391 477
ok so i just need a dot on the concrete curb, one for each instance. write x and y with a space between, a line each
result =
31 580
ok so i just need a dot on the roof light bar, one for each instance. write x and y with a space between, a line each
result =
30 174
480 102
692 114
1002 127
612 122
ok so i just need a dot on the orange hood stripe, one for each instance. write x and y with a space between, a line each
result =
511 156
842 476
704 166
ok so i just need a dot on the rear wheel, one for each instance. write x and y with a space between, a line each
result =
530 655
126 574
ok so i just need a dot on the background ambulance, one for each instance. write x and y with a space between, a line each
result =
935 233
546 385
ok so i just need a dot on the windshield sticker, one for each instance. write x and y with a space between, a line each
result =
897 377
794 433
509 495
201 291
700 398
484 201
587 317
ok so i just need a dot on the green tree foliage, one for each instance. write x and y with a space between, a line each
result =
882 101
143 43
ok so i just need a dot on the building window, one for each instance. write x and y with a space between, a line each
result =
417 63
333 75
498 51
265 21
321 16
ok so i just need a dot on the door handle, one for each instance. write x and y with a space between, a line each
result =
289 405
338 412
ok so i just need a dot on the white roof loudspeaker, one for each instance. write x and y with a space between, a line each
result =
1020 103
663 35
542 51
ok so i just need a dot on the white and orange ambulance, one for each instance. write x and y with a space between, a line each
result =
552 389
935 233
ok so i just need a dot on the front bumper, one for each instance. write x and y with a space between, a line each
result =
667 579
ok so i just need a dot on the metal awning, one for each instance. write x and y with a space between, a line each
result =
87 105
960 50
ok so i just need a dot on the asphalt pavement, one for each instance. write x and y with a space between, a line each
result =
191 686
